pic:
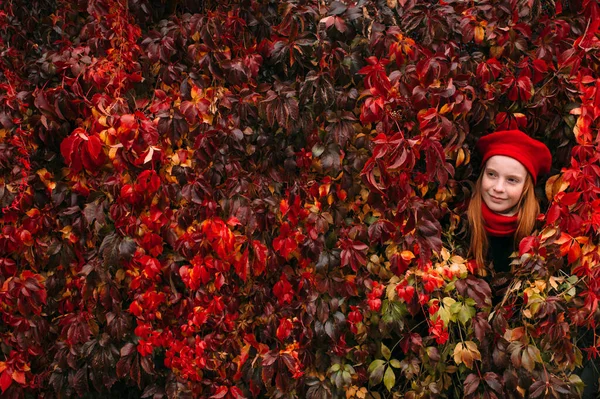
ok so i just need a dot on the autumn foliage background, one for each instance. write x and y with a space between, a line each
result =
263 198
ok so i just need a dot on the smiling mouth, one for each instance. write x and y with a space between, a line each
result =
496 198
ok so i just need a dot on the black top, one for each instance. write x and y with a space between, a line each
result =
499 252
500 249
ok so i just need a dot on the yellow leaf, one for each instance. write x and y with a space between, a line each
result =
540 285
496 51
548 233
407 255
554 185
457 259
446 108
460 157
120 275
515 334
466 353
479 34
555 281
196 93
390 290
112 153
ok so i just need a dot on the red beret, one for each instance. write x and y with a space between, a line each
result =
533 154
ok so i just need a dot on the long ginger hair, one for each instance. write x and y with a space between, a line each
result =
527 210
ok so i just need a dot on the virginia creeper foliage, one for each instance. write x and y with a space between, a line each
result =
256 198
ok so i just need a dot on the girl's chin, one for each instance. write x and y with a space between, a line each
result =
500 208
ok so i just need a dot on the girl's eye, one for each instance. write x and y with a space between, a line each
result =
513 181
491 174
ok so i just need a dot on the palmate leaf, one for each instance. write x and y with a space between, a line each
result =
466 353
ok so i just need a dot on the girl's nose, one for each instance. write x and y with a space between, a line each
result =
499 187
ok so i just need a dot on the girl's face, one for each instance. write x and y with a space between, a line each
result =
502 184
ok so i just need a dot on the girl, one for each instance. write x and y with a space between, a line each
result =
504 208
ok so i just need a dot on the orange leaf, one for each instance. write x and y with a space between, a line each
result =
19 377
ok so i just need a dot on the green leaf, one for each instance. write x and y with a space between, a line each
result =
317 150
451 286
393 314
527 361
370 219
466 313
447 301
375 364
444 314
376 370
455 308
385 351
349 369
347 377
389 380
448 310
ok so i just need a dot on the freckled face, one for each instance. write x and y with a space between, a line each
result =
502 184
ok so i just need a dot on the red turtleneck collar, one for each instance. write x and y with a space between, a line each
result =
498 225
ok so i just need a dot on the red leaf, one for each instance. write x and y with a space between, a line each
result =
94 156
471 384
569 199
376 75
493 381
221 392
148 182
94 148
283 290
128 349
70 149
525 87
68 146
553 213
284 329
236 392
241 266
5 380
574 252
260 257
82 151
353 253
527 244
128 122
